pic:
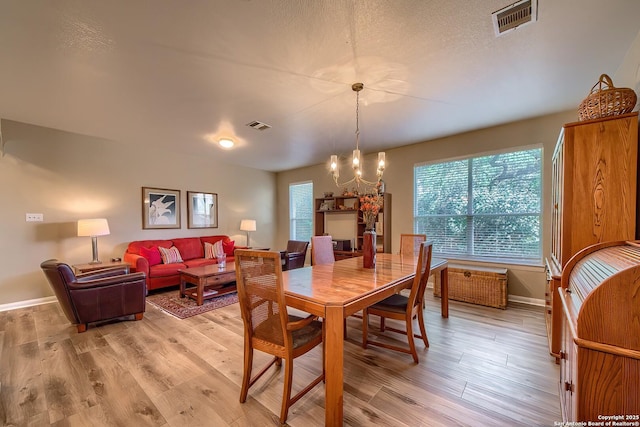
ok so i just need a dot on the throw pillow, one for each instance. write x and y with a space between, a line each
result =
211 251
229 247
152 255
171 255
208 251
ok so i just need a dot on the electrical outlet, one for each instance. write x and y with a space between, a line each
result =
35 217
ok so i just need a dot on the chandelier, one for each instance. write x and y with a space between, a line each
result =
356 160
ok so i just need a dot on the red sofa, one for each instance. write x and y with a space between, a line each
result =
191 250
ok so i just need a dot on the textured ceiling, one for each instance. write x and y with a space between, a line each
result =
178 74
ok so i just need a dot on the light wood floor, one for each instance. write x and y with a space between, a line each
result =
485 367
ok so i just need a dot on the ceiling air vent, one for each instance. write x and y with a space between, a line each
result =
258 125
511 17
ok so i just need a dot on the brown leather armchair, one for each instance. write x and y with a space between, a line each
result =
95 296
295 255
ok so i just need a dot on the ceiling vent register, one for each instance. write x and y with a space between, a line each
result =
515 15
258 125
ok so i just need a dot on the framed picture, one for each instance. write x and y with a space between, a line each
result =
160 208
202 209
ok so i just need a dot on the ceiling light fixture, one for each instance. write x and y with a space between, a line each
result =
356 160
226 143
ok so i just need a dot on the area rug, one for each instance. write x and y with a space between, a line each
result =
182 308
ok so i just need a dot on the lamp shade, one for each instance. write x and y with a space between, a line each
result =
93 227
248 225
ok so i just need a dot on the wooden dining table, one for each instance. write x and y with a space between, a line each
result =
336 291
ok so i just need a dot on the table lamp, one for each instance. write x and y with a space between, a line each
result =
93 227
248 225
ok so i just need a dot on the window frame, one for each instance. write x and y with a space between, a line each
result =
469 215
293 219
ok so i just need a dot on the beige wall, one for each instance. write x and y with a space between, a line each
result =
526 282
67 176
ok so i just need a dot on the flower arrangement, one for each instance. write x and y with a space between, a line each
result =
370 205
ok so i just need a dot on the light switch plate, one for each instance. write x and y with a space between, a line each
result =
35 217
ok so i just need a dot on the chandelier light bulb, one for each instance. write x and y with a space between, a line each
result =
334 166
356 158
381 161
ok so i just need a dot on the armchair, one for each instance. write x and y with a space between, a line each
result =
295 255
95 296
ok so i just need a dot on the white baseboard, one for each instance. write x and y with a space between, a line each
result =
27 303
526 300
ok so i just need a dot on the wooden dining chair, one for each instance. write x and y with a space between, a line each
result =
410 246
401 307
322 253
322 250
267 325
410 243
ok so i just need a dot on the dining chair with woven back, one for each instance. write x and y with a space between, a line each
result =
403 308
322 250
268 327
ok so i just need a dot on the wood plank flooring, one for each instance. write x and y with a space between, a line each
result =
485 367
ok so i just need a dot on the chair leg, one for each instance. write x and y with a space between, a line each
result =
423 329
246 378
412 344
286 394
365 327
382 326
82 327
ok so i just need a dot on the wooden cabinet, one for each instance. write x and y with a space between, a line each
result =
600 354
348 207
594 183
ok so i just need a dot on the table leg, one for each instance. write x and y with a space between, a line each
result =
334 365
200 291
183 286
444 300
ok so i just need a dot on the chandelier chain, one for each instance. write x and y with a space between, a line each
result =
357 120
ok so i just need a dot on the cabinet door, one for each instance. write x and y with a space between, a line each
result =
598 200
567 374
556 200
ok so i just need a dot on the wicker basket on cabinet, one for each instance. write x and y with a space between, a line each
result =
606 100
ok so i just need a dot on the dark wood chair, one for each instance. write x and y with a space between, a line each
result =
295 255
400 307
96 296
267 325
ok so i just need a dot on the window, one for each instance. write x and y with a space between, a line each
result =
482 208
301 211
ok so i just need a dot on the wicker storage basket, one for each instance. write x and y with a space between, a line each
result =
606 100
476 285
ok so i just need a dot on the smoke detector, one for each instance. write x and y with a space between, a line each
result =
515 15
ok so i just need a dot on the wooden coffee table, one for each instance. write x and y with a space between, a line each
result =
209 281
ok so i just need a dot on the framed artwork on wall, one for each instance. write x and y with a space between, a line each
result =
160 208
202 210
